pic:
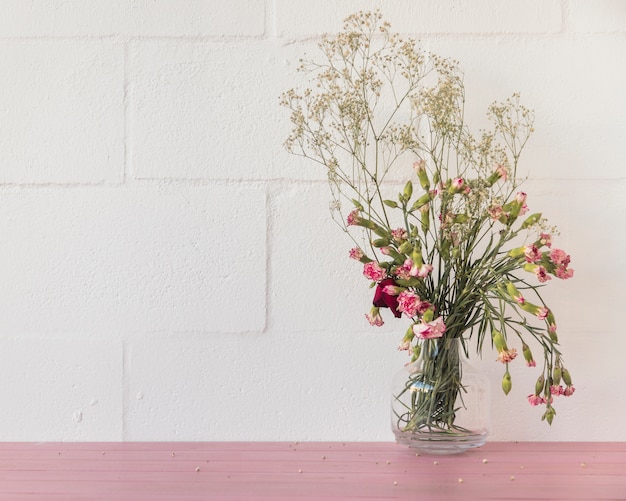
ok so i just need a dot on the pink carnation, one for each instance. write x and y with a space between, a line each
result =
545 239
501 170
564 273
542 274
404 271
424 270
543 312
457 184
559 257
532 254
520 197
569 391
374 318
373 271
399 235
430 330
408 303
557 390
536 400
506 356
356 253
353 218
495 212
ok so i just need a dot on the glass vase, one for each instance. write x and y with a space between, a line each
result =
441 403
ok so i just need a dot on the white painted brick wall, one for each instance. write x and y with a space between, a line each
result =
171 273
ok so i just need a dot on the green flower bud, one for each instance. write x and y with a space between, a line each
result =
420 202
541 381
428 315
381 242
549 414
567 379
528 356
506 383
408 190
406 248
391 203
498 341
425 219
422 175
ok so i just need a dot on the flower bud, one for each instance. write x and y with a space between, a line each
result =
422 175
541 381
556 375
506 383
428 315
549 414
420 202
425 219
528 356
381 242
567 379
499 341
408 190
406 248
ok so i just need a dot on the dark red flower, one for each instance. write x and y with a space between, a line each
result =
384 300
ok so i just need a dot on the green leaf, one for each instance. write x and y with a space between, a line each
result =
391 203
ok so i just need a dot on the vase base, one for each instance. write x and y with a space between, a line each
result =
441 443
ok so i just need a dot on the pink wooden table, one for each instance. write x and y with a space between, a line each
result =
309 471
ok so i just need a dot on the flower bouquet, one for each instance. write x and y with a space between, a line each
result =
456 251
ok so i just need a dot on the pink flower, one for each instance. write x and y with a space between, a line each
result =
545 239
536 400
519 299
430 330
501 171
542 314
542 274
569 391
531 253
506 356
404 271
399 235
383 299
374 318
557 390
424 270
564 273
353 218
356 253
495 212
559 257
531 363
523 210
552 328
408 303
373 271
457 184
391 289
520 197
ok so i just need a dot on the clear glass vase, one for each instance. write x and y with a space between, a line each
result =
441 403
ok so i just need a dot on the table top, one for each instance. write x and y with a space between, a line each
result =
309 471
